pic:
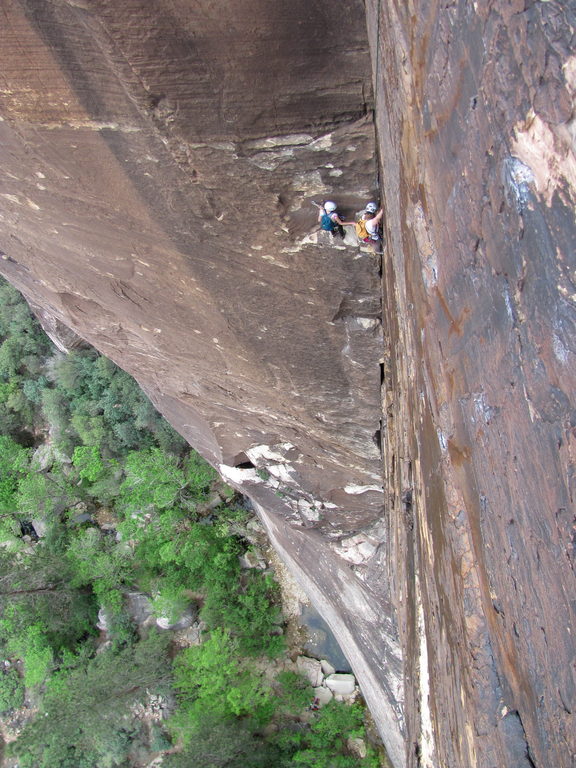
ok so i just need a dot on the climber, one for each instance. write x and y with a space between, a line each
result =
330 221
368 226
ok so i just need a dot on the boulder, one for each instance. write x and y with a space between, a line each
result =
252 559
139 607
327 668
40 526
357 549
186 619
43 457
357 747
341 684
194 633
311 669
324 695
103 622
255 526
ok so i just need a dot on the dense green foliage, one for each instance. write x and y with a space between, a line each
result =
23 350
93 402
82 397
79 443
212 678
81 722
323 745
11 689
219 742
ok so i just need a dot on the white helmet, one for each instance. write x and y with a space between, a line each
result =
371 208
329 206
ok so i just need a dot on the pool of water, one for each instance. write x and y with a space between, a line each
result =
320 642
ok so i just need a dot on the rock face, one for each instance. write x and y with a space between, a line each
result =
158 166
159 162
158 182
474 108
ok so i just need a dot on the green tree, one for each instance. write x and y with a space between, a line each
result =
153 480
23 347
83 719
46 494
89 462
14 463
31 645
174 554
11 690
224 742
101 563
293 691
199 476
323 745
42 615
213 679
96 403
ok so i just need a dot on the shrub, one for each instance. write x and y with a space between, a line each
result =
212 679
199 476
101 563
34 388
122 630
45 494
293 691
153 479
105 407
220 742
323 745
14 462
247 609
83 719
23 346
159 739
88 461
11 690
170 602
29 644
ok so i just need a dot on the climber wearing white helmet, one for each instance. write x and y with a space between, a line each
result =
330 221
367 228
373 217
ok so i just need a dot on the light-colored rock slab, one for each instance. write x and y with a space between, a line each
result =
357 747
40 526
341 684
186 619
311 669
252 559
327 668
324 695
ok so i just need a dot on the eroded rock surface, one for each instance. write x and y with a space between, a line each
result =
169 238
159 163
158 166
475 120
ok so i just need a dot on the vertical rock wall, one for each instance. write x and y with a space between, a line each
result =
159 159
474 117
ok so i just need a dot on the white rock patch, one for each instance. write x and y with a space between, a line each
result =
341 684
356 490
238 475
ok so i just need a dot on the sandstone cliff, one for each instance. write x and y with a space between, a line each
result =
474 109
159 162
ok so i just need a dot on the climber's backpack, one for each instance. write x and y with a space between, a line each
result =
327 224
361 231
